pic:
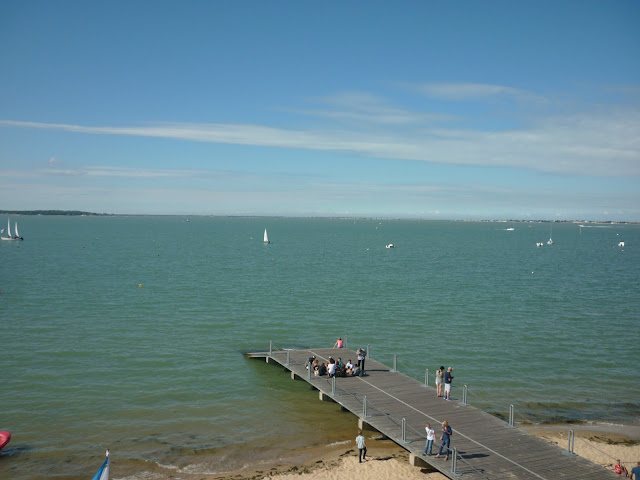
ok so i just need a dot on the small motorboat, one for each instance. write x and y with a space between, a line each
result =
4 438
390 245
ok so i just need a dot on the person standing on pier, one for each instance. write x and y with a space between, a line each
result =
362 447
431 436
439 376
448 378
361 354
635 472
445 439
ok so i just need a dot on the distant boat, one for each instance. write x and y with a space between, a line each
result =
390 245
266 237
539 244
510 229
621 244
9 236
550 241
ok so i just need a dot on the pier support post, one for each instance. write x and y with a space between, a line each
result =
511 411
464 396
416 461
426 377
395 363
324 397
364 426
270 347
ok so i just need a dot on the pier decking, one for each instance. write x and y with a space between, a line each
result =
487 447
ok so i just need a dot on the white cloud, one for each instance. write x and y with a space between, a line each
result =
603 142
473 91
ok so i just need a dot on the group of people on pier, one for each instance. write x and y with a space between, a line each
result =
335 368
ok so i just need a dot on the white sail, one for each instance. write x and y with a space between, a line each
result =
16 229
9 228
266 237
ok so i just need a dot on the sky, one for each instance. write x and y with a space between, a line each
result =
413 109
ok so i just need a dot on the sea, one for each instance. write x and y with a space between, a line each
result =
129 333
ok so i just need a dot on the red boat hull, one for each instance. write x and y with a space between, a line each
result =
4 438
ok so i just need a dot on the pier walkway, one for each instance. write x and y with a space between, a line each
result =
398 406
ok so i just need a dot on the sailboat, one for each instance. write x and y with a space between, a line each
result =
9 236
266 237
550 241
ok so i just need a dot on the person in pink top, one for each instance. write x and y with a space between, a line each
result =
339 343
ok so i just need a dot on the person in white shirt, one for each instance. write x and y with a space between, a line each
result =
362 447
431 436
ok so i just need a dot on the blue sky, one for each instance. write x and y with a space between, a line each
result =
465 109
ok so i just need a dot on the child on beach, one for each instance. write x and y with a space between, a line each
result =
362 447
620 469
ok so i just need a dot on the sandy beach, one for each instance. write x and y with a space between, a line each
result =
602 444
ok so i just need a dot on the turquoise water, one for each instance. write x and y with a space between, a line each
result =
91 360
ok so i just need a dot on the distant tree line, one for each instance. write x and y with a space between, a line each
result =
49 212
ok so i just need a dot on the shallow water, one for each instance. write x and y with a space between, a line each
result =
156 373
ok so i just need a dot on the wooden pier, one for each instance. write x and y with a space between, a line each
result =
398 406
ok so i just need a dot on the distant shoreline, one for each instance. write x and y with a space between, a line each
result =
72 213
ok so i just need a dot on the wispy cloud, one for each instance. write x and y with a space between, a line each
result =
474 91
365 108
603 142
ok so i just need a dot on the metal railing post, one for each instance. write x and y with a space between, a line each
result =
333 386
270 347
364 406
464 395
345 341
309 371
287 357
511 415
404 430
571 440
454 461
426 378
395 363
368 351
